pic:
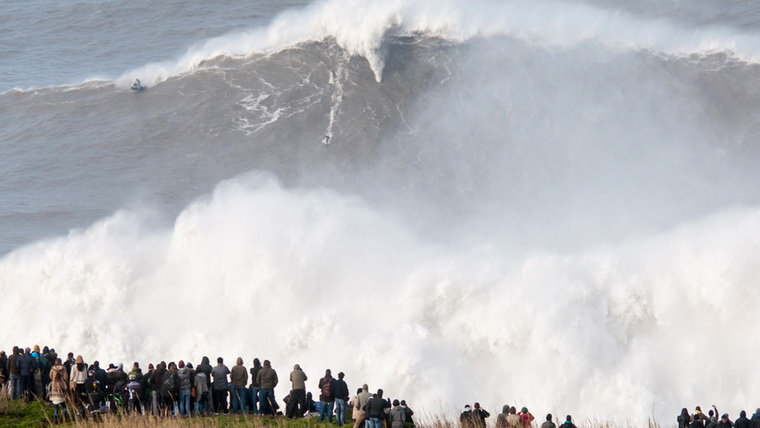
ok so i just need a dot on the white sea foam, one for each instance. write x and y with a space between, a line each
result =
359 26
321 279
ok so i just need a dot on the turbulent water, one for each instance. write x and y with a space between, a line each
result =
551 204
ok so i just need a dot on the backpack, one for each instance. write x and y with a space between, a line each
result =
325 390
169 386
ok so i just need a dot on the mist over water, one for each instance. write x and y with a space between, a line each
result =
536 204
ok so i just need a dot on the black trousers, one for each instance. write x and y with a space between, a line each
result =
296 403
220 401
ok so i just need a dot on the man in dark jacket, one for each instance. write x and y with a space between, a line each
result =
375 410
742 422
481 414
26 367
326 397
340 392
568 423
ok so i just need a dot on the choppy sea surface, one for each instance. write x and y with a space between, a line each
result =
551 204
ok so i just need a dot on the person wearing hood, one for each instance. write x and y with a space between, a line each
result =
255 387
239 379
513 420
568 423
220 385
183 379
201 392
169 390
548 423
58 388
409 413
77 379
267 379
326 396
362 398
742 422
501 419
397 415
296 406
205 367
755 419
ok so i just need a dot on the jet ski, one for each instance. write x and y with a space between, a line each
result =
137 86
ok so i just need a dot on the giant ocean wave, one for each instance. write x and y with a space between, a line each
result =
523 203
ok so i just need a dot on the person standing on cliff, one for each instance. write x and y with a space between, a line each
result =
267 379
326 397
296 406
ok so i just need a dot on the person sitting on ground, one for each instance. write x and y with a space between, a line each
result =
549 423
397 415
568 423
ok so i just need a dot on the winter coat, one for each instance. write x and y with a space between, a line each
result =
201 384
298 378
548 424
326 381
361 399
267 378
254 374
59 385
397 416
239 374
375 407
26 364
340 389
205 367
183 377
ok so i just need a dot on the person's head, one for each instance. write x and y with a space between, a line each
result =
396 403
698 409
45 350
239 361
467 408
172 366
69 356
96 363
328 373
359 391
684 412
403 403
380 393
79 360
220 360
296 367
267 363
742 414
524 410
189 366
204 360
476 405
724 417
57 361
256 362
513 410
181 364
505 408
150 366
569 418
15 350
549 417
135 365
365 387
711 413
340 375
